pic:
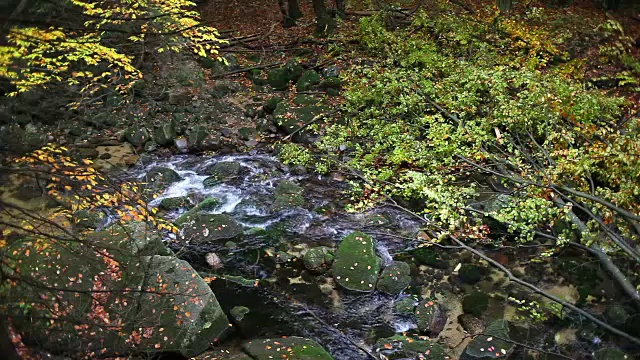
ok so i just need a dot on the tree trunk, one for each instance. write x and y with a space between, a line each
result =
6 346
287 21
611 4
340 8
294 9
504 5
324 23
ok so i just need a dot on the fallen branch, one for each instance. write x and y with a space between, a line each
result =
248 69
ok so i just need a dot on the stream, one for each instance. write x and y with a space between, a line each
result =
264 271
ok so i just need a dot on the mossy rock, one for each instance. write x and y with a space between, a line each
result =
405 347
308 79
238 312
190 302
208 204
489 346
318 259
135 238
288 195
405 306
290 120
165 134
292 348
158 178
294 70
475 303
429 256
278 78
470 274
270 105
223 171
175 203
431 317
331 83
356 265
205 228
137 135
394 278
303 100
377 220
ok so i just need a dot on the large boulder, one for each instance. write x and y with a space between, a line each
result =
84 299
205 228
221 172
208 204
137 135
292 347
394 278
356 265
278 78
165 134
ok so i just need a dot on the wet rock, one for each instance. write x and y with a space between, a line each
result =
489 346
214 261
291 347
175 203
610 354
394 278
331 71
221 172
206 228
475 303
137 135
470 274
208 204
165 134
288 195
377 220
160 177
318 259
431 317
238 312
356 265
405 306
471 324
409 347
308 79
429 256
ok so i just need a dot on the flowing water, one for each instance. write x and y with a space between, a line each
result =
287 299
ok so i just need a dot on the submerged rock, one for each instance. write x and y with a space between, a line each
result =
405 347
429 256
394 278
356 266
475 303
405 306
288 195
489 345
292 347
204 228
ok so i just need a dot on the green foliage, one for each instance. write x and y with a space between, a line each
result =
450 98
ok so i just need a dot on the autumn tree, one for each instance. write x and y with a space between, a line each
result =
93 45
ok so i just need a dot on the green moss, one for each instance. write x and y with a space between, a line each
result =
356 265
